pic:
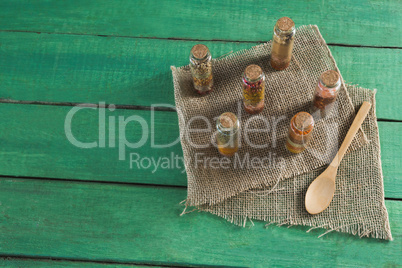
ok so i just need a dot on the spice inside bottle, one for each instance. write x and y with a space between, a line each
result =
201 68
300 130
227 137
326 90
253 89
282 43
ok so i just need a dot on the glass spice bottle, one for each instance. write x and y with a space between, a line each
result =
253 89
227 137
326 90
282 44
300 130
201 68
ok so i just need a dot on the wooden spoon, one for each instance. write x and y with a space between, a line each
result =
321 191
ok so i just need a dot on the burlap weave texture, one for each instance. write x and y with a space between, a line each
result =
287 92
358 205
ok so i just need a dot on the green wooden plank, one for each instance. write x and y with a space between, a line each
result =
63 68
359 22
136 224
34 144
364 66
391 162
26 262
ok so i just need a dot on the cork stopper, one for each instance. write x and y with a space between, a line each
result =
330 78
228 120
199 51
285 24
303 121
253 72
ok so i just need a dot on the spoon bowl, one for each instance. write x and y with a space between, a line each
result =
320 193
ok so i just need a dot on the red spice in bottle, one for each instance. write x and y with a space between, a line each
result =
327 89
253 89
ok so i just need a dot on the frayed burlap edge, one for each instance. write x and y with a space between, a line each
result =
358 226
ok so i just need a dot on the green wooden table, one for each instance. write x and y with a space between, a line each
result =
61 205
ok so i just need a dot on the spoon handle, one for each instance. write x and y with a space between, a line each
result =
357 122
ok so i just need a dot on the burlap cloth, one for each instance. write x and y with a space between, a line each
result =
274 192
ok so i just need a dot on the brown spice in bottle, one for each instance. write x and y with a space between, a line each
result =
201 68
300 131
282 44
